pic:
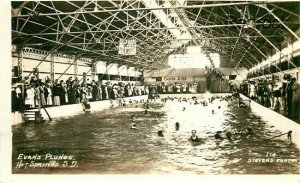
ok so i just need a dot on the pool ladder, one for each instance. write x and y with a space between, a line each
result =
33 116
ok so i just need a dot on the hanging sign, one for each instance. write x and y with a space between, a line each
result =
127 47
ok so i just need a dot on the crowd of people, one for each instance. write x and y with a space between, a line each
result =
38 93
282 95
214 72
173 88
189 87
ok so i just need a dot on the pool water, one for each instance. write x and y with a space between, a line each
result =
103 143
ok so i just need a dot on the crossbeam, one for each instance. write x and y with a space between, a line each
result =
139 9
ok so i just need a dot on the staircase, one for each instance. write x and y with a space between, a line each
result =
33 116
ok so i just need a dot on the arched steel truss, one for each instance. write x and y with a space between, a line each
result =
243 32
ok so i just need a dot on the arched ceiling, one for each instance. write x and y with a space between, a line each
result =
239 30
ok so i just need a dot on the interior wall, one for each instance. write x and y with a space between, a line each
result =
114 69
64 69
31 61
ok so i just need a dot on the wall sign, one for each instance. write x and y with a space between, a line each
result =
127 47
177 78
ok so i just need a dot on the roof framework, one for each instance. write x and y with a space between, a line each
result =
243 32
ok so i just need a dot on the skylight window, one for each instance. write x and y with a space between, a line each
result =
194 58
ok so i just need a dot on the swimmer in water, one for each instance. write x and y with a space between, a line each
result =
177 126
160 133
229 135
194 137
133 124
249 131
233 117
147 106
218 135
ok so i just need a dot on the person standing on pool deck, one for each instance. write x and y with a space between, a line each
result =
277 94
252 90
289 96
260 91
270 93
296 99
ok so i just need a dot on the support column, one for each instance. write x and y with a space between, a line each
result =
142 76
52 68
290 55
93 69
119 77
20 63
75 68
20 70
108 76
128 74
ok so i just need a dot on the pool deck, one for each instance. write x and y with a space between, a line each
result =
279 121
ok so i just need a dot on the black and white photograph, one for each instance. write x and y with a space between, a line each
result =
153 87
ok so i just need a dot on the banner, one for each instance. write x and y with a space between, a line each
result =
127 47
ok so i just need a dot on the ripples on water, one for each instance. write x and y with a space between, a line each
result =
103 142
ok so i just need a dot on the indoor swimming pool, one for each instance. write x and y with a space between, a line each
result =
103 142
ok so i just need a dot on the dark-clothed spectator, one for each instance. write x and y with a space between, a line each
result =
94 92
296 99
56 94
289 97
